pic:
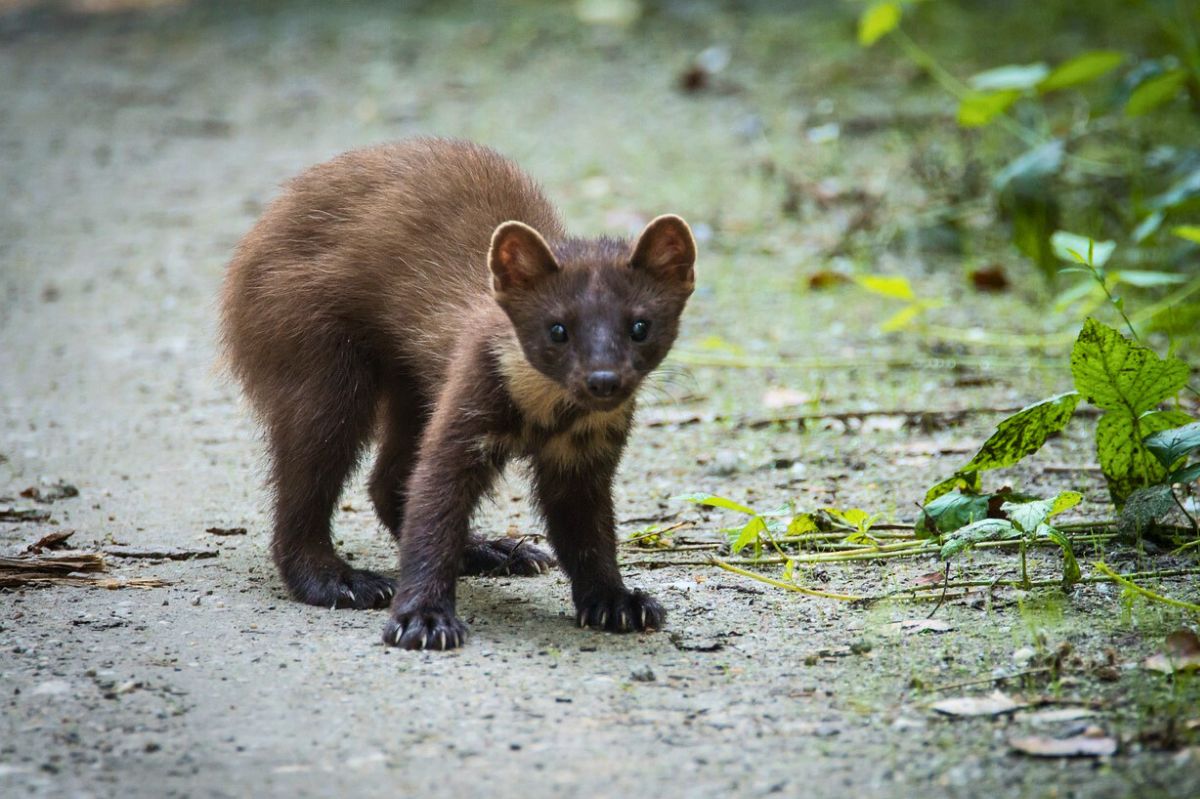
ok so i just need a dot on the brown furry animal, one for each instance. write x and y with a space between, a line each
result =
427 293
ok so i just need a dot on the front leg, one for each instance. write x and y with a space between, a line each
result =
451 475
577 505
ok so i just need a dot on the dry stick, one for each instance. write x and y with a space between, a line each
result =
986 680
781 584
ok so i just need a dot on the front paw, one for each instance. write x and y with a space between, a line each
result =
621 612
424 627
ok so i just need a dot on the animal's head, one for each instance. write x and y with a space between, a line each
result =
595 315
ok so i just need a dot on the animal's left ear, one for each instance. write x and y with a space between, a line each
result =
667 250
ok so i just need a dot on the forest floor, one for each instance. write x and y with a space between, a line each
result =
137 148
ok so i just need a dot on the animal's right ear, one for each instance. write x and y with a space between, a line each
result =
518 257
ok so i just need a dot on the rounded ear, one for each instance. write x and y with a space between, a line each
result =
667 250
518 257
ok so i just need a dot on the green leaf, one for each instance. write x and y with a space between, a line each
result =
1188 232
1153 92
1171 445
1144 507
713 501
1126 462
902 318
1028 516
1115 373
1145 279
1081 69
1148 227
966 482
1074 248
1013 76
1032 166
749 535
802 523
1024 433
972 534
1071 573
1181 191
951 511
1188 474
894 286
853 517
979 108
877 21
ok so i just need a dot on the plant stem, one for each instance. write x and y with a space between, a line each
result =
1132 586
781 584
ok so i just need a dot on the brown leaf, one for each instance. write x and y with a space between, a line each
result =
932 578
826 279
1181 652
1077 746
989 278
49 541
921 625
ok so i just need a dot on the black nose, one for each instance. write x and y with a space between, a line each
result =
603 384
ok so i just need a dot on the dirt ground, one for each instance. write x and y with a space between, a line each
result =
136 148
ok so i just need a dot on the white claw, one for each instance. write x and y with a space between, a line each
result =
603 617
399 634
643 618
334 605
352 597
582 620
424 635
624 621
442 635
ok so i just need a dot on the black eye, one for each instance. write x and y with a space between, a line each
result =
558 333
640 330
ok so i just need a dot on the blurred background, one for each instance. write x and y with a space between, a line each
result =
810 144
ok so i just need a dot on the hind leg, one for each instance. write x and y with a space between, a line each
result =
316 438
403 420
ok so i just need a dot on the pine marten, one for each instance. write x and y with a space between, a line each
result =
425 293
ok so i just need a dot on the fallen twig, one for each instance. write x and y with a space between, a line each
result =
989 680
23 515
161 554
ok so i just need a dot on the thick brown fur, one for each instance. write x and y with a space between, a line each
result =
407 293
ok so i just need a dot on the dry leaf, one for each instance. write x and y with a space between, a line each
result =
1058 715
826 278
1077 746
989 278
932 578
49 541
775 398
921 626
994 704
1180 653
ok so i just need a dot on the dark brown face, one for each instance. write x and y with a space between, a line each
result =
595 316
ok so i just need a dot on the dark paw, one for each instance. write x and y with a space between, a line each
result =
344 588
504 556
621 613
425 628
